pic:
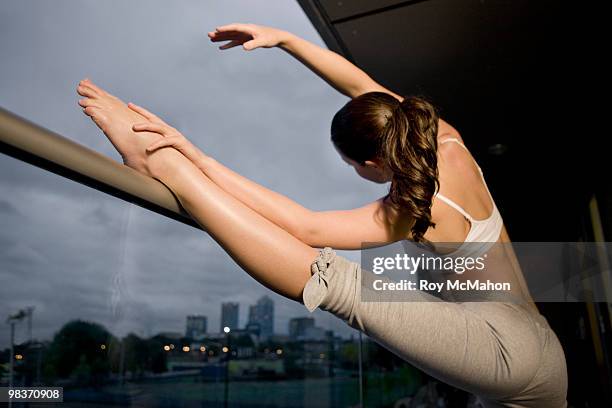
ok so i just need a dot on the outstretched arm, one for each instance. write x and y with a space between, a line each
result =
344 229
336 70
349 229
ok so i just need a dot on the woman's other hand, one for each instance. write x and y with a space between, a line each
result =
171 136
250 36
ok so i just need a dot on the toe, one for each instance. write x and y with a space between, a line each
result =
87 82
86 91
91 110
88 102
98 116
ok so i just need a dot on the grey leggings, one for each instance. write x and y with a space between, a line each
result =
501 352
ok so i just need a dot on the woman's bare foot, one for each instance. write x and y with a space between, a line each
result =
115 119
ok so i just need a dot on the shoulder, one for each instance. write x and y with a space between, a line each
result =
452 154
445 130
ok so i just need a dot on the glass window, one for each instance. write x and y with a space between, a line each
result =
118 304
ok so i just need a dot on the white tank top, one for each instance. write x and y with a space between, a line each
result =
487 230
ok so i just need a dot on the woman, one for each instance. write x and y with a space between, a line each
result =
505 353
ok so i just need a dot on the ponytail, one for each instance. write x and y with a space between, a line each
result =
409 148
403 136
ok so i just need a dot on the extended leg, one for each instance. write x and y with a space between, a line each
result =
268 253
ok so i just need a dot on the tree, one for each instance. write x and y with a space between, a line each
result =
84 345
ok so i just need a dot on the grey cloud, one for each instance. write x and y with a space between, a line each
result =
78 253
8 208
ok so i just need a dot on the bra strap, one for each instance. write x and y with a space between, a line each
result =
454 139
455 206
451 202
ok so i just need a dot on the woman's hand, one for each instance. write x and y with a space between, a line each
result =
250 36
171 136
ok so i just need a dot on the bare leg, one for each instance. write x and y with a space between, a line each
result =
268 253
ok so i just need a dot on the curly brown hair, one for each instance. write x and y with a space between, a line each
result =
401 135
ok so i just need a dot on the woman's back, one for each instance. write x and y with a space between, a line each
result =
465 214
486 228
463 200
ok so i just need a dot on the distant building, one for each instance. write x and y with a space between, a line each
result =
298 327
253 328
262 313
229 315
196 326
314 334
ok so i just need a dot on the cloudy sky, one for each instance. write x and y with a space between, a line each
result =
73 252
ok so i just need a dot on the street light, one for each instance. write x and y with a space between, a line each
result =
226 350
12 321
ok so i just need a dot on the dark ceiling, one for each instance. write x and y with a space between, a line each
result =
523 74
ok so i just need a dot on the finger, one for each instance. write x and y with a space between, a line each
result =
169 141
218 34
230 44
233 35
251 45
151 127
226 38
145 113
233 27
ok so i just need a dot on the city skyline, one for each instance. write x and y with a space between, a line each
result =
197 325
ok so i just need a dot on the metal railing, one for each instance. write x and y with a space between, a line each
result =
40 147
